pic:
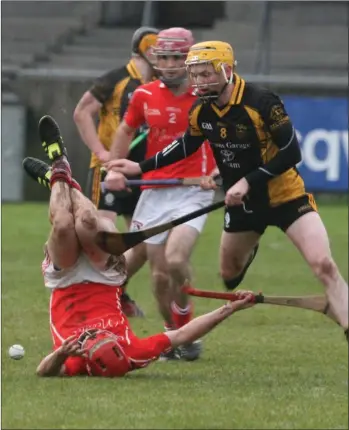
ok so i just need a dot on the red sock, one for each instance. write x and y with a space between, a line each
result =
75 184
181 316
59 175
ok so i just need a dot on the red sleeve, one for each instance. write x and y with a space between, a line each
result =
74 366
153 346
134 116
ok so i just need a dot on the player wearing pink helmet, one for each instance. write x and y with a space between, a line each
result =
170 51
164 106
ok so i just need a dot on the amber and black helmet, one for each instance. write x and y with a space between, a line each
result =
143 39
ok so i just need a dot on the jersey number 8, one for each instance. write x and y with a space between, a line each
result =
223 133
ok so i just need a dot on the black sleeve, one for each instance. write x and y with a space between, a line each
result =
131 86
177 150
284 137
103 87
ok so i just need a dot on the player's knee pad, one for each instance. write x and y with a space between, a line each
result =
231 284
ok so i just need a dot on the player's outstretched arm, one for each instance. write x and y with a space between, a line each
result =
53 364
203 324
178 150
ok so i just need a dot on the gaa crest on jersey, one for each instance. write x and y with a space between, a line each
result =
278 116
241 130
277 112
206 126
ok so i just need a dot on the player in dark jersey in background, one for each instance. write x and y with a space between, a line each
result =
257 151
108 97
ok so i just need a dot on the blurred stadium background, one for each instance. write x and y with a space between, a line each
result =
52 50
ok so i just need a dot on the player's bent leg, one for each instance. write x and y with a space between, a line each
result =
62 245
183 238
87 223
179 247
237 251
161 280
309 235
162 287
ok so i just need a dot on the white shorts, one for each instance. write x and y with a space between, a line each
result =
160 205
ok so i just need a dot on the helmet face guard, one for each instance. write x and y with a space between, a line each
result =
105 356
207 91
174 44
221 57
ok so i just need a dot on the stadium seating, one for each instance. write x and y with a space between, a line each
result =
305 38
31 31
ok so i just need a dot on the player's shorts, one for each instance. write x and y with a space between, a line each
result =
87 306
242 218
160 205
120 202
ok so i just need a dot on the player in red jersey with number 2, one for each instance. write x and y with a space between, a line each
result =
164 105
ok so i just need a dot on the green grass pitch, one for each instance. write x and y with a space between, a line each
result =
266 367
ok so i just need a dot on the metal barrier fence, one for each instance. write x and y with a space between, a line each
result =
317 105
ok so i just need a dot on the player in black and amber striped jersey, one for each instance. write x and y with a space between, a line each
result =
256 150
108 98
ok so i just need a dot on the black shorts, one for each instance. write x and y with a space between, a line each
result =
120 202
241 218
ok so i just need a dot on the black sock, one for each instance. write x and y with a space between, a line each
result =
231 284
346 332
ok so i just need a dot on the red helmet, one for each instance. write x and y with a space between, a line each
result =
105 356
174 42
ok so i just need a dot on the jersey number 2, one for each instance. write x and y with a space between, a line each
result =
173 118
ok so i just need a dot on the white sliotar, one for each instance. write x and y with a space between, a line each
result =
16 352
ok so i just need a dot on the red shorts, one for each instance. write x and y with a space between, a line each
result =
86 306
